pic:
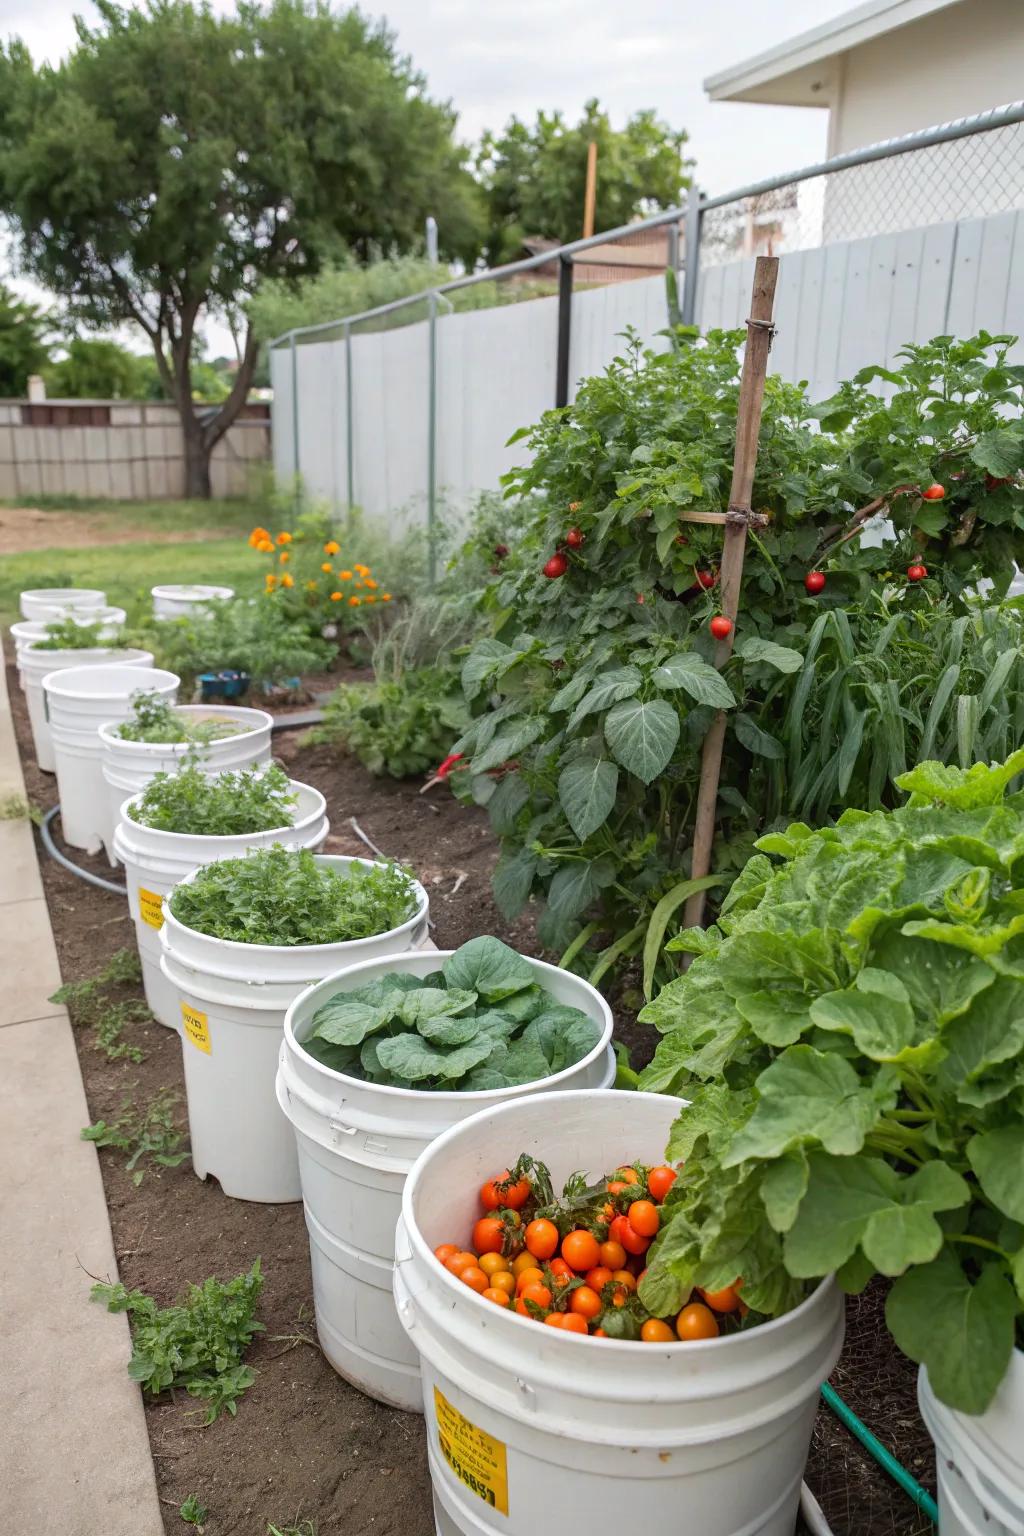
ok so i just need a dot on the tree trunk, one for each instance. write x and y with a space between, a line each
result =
197 457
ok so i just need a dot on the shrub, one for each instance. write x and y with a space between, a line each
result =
238 635
851 1040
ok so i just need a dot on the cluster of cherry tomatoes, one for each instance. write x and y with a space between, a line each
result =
576 1264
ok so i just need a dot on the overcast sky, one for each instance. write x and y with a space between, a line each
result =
493 58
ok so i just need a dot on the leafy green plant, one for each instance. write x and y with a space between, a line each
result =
277 896
71 635
148 1133
15 807
850 1038
193 1511
198 1344
91 1005
237 635
481 1022
228 804
153 719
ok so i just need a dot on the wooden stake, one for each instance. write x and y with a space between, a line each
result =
738 518
590 195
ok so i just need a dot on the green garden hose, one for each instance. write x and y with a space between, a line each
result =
911 1487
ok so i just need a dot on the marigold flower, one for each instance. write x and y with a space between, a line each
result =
364 570
327 567
284 557
336 597
271 581
353 602
331 548
385 597
344 575
371 583
284 538
370 599
286 580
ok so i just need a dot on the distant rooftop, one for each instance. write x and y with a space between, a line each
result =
800 72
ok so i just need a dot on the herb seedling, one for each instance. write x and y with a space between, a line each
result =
193 1511
148 1133
90 1005
277 896
153 719
198 1344
228 804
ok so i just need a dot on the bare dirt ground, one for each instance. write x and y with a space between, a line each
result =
25 530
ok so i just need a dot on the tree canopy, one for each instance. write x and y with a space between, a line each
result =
534 176
176 158
23 348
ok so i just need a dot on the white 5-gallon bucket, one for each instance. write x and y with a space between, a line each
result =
700 1439
37 665
58 602
357 1142
181 602
78 700
979 1459
128 766
30 630
232 1002
154 862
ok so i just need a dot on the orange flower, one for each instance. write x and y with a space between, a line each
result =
331 548
284 557
370 599
286 580
344 575
353 602
284 538
385 597
257 537
336 597
266 548
327 567
364 570
371 583
271 581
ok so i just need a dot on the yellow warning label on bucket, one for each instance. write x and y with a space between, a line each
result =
151 908
476 1458
197 1027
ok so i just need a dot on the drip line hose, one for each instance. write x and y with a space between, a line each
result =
281 723
911 1487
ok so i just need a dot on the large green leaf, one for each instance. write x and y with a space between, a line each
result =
961 1331
809 1098
487 660
488 967
347 1020
586 790
782 657
990 1032
608 688
642 737
565 1035
696 677
414 1060
512 880
508 743
751 736
576 885
1000 451
997 1158
783 1187
875 1012
965 789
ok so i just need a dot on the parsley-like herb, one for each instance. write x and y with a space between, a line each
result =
155 720
228 804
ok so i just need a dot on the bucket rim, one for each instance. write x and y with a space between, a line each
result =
485 1098
263 722
63 679
191 592
319 810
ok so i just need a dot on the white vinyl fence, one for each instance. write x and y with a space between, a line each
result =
839 307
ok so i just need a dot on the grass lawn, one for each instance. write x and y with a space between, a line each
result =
127 547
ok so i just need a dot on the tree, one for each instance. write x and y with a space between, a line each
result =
98 369
534 178
175 158
22 347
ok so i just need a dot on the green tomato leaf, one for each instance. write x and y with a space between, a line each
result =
997 1158
642 737
586 789
960 1331
696 677
512 881
609 688
1000 451
782 657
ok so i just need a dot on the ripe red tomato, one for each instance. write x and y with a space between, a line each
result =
556 566
916 572
585 1301
561 1270
555 1319
488 1235
534 1276
643 1218
494 1194
814 581
459 1261
599 1276
706 578
720 626
445 1252
542 1238
660 1181
581 1250
538 1294
622 1232
613 1255
575 537
934 492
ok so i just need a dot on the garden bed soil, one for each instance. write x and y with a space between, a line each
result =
305 1445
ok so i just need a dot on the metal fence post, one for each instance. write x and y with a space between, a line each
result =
295 423
694 214
350 478
564 331
432 441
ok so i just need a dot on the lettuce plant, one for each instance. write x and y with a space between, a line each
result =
479 1023
851 1040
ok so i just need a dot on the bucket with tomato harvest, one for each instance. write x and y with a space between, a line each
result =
697 1425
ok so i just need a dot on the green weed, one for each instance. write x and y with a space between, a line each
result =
147 1133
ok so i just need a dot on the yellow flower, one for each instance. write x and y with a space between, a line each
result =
310 586
284 538
286 580
257 537
344 575
336 597
266 548
284 557
327 567
271 582
371 583
353 602
331 548
385 597
364 570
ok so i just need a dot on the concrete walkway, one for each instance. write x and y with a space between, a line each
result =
74 1453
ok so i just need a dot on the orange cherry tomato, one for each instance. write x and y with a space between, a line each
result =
622 1231
532 1276
560 1269
572 1322
613 1255
445 1252
493 1194
535 1292
493 1263
617 1186
630 1175
598 1277
523 1261
623 1277
542 1238
599 1333
555 1319
608 1211
725 1300
475 1278
499 1298
654 1331
460 1261
642 1216
696 1322
581 1250
585 1302
505 1281
488 1235
660 1181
